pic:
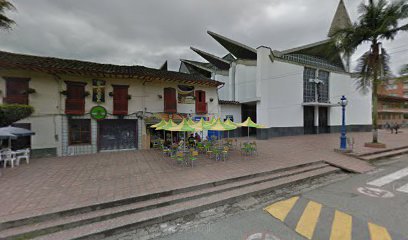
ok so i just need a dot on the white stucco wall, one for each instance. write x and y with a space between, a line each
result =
245 87
358 110
280 86
224 93
234 110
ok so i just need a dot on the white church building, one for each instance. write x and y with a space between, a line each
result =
292 92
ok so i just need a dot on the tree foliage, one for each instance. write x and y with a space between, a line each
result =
11 113
5 22
378 21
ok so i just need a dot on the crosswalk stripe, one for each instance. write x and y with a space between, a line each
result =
378 232
308 220
281 209
342 225
314 220
389 178
403 188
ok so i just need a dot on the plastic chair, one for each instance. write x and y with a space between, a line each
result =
193 157
255 148
225 153
209 151
9 156
180 157
25 154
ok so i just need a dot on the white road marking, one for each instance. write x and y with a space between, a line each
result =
375 192
403 188
389 178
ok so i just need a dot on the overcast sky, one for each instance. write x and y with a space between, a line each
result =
151 31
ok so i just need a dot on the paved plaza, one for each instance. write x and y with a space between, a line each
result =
54 184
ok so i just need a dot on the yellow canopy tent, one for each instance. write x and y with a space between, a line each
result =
161 124
184 126
169 125
249 123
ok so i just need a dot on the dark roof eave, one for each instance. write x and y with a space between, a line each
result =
82 68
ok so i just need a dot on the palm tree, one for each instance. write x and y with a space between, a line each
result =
378 20
5 22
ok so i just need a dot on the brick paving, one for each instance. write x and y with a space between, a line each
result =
54 184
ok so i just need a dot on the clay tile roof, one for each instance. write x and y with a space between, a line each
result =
84 68
225 102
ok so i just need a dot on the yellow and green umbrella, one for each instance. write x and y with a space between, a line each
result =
191 122
212 121
161 124
169 125
221 126
230 123
249 123
202 124
184 126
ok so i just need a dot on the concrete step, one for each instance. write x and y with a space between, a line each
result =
8 222
380 151
53 225
384 154
37 226
109 227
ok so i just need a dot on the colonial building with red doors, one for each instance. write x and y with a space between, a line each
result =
85 107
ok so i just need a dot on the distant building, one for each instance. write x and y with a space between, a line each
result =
293 91
393 101
64 94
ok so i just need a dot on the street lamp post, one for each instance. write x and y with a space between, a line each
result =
343 138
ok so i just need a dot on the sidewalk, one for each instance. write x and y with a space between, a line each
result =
55 184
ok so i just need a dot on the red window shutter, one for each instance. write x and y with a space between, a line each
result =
201 105
75 101
120 99
170 100
16 90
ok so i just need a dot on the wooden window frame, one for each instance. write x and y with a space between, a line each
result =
70 101
24 96
167 105
119 101
89 132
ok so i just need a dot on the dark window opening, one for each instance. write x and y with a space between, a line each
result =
16 90
79 131
120 99
75 101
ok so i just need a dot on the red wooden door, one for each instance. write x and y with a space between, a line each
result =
120 100
170 100
201 105
75 101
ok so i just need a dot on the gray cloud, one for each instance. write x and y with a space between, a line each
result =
150 32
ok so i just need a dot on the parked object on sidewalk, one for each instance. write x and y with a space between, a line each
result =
9 156
23 154
350 143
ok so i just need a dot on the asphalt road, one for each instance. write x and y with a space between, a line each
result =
375 205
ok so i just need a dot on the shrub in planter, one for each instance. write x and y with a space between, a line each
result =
11 113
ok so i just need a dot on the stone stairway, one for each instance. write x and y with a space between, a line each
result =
105 219
382 154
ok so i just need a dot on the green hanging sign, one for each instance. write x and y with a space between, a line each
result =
98 113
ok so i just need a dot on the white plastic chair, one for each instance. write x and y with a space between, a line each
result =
9 156
24 154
